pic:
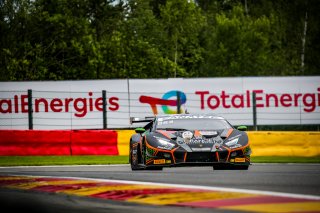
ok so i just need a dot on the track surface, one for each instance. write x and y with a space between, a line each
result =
289 178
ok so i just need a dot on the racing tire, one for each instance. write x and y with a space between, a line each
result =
134 160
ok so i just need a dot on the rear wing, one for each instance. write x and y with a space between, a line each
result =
141 120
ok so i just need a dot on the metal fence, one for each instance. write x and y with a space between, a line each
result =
35 109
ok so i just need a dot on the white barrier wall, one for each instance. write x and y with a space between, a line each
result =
78 104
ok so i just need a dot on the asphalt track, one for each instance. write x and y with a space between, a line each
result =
301 179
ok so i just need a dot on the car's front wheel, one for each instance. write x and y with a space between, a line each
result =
134 159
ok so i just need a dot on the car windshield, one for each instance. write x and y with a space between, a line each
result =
193 124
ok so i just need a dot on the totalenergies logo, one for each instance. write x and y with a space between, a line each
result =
166 101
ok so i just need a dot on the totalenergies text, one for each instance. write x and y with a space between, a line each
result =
80 106
307 101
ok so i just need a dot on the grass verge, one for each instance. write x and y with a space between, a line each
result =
277 159
61 160
98 159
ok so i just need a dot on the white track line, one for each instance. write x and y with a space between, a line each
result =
210 188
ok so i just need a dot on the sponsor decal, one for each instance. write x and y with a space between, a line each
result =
159 161
240 160
201 149
187 135
161 122
168 161
165 101
187 116
180 141
198 140
208 133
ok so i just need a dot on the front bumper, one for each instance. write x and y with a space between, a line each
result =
180 157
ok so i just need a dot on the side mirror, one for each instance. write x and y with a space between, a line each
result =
140 130
242 128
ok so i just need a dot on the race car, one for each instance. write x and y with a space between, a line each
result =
188 140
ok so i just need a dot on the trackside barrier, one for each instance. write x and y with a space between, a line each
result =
109 142
263 143
58 142
267 143
33 142
94 142
123 141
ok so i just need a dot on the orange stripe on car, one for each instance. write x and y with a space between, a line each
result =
217 156
229 132
197 133
165 133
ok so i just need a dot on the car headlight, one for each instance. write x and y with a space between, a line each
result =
232 142
164 144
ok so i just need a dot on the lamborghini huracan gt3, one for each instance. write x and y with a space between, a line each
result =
189 140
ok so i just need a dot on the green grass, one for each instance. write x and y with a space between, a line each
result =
61 160
275 159
98 159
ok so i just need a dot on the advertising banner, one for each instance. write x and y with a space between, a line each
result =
78 104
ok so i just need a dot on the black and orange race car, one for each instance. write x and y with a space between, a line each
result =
189 140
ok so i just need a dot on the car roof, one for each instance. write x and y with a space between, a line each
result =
189 116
